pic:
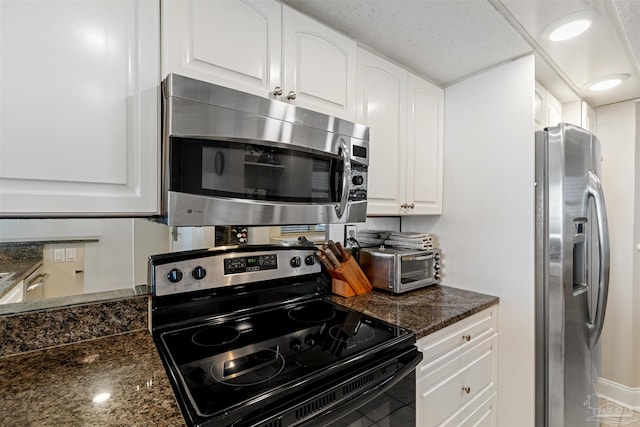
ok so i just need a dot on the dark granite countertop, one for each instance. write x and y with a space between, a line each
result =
423 311
55 387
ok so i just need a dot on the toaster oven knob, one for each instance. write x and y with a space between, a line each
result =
357 180
295 261
175 275
199 273
310 260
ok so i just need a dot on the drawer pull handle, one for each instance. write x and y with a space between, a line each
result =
466 389
466 337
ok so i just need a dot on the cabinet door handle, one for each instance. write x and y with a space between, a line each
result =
404 206
466 337
292 95
411 206
277 91
466 389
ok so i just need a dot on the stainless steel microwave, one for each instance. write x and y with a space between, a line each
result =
231 158
401 270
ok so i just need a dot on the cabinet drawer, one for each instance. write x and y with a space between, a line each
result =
479 413
460 336
456 383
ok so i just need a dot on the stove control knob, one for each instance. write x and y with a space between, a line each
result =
295 345
175 275
199 272
310 340
295 261
310 260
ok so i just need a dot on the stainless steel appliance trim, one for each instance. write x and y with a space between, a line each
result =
417 258
178 86
215 277
346 178
194 210
594 190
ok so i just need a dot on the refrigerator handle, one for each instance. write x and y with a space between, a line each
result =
594 190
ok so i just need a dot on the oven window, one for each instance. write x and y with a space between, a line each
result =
253 171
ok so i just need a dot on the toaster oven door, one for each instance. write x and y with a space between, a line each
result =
416 270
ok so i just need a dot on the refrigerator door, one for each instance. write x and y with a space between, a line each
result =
572 252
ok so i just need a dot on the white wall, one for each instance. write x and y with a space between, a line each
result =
487 227
617 131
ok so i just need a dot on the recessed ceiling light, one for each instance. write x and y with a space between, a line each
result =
606 82
570 30
570 26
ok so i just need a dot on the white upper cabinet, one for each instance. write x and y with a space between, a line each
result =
79 111
424 147
258 46
382 102
548 110
234 43
319 65
405 117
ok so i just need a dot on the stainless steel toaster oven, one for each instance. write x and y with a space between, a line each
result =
401 270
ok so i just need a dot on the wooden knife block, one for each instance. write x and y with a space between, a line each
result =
349 280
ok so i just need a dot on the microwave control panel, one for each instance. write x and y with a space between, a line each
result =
358 179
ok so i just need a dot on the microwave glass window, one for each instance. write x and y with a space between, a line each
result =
252 171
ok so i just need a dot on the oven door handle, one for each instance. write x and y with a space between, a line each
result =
338 412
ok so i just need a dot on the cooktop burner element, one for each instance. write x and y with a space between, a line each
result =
353 333
254 346
312 313
215 335
253 369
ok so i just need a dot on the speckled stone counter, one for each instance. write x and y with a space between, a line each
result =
56 386
423 311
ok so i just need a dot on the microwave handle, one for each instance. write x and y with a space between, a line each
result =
346 181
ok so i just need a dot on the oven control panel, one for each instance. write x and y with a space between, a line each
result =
250 263
219 269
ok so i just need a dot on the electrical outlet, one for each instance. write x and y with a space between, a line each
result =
58 255
70 254
350 234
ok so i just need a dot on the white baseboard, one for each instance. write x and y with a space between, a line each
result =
619 393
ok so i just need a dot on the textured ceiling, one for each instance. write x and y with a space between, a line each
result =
449 40
629 15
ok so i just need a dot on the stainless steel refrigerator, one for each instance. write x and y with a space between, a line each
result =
572 275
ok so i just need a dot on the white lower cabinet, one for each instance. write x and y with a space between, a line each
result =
457 379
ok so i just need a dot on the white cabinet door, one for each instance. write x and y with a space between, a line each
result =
381 105
424 147
234 43
79 111
319 65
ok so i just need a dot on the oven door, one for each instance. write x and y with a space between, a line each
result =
363 398
220 182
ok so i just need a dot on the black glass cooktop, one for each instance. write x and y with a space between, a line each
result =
226 364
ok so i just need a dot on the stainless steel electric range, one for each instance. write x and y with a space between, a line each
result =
248 338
